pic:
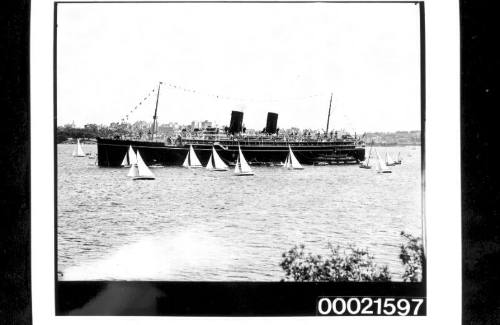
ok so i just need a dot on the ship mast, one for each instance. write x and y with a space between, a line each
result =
329 109
154 127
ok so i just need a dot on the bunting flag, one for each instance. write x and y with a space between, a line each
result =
219 96
143 101
222 97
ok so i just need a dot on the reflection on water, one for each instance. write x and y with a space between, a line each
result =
211 226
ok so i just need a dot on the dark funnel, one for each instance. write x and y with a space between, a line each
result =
272 123
236 124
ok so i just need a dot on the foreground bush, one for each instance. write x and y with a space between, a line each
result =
413 258
352 264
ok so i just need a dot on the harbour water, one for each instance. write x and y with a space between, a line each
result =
197 225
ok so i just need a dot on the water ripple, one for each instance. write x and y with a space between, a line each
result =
203 226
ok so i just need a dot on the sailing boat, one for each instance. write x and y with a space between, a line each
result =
242 168
78 152
191 160
398 159
215 163
366 163
381 166
139 170
388 160
130 158
291 162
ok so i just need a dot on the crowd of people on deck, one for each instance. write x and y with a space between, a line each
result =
292 135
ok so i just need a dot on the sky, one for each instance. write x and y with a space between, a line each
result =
258 58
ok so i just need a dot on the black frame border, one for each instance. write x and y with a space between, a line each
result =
15 163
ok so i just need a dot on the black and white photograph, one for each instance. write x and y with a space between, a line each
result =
231 149
241 143
247 162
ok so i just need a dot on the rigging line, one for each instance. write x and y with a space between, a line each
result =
140 104
217 96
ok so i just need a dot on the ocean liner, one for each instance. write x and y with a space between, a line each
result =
266 148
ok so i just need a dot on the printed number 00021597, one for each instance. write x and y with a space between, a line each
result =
365 306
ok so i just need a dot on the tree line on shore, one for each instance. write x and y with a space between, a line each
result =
143 128
393 138
92 131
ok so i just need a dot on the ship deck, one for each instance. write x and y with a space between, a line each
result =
112 151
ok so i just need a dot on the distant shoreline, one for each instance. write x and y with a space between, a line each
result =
93 141
393 145
83 141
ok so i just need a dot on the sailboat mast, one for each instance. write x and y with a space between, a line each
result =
329 110
154 127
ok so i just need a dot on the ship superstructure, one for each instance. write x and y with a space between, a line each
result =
268 147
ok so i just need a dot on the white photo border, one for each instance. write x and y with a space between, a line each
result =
442 176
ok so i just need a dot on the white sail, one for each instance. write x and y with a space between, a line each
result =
191 160
133 171
143 169
129 158
194 161
79 150
287 161
398 159
388 159
245 168
242 168
294 163
237 169
132 159
366 162
381 166
379 163
210 164
125 160
217 161
186 161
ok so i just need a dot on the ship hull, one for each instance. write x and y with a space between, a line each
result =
110 152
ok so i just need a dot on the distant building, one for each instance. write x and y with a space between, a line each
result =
201 125
169 129
195 125
206 124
